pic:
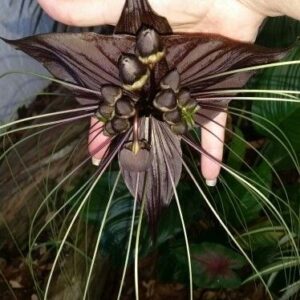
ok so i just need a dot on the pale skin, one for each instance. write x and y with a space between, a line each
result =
236 19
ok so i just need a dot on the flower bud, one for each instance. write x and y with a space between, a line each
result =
111 94
172 117
105 112
133 73
180 128
108 130
165 100
184 96
120 125
148 46
125 108
171 81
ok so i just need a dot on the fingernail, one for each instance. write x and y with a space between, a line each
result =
96 161
211 182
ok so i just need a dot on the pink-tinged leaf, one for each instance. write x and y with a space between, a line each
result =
88 60
137 13
155 183
214 265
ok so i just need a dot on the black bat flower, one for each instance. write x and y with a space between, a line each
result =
151 86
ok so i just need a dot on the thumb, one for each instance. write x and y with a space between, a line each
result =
83 12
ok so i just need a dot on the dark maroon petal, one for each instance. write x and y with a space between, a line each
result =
137 13
85 59
155 183
136 162
197 56
208 112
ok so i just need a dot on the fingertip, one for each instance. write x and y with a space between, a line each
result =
82 12
97 141
211 182
212 141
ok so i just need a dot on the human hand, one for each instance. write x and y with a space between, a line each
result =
230 18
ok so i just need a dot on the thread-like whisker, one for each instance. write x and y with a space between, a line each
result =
130 237
42 116
102 170
100 235
221 222
243 181
64 83
254 68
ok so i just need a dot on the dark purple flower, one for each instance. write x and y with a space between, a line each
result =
149 85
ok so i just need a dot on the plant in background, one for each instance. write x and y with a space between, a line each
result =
151 90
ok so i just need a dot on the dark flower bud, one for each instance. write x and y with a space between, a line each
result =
180 128
133 73
148 46
171 81
191 104
111 94
120 125
165 100
172 117
125 108
136 162
105 112
184 96
108 130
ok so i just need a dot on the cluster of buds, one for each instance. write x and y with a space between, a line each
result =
115 111
119 106
175 104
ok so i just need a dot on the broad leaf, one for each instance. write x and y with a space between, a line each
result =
283 117
214 266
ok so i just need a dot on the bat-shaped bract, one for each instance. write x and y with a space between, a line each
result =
151 82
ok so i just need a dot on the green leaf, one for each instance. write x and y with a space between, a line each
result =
279 32
261 236
283 118
240 205
238 150
214 266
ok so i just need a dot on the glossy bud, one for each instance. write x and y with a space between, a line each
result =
184 96
191 104
136 162
120 125
165 100
111 94
105 111
180 128
172 117
108 130
148 42
125 108
171 81
131 69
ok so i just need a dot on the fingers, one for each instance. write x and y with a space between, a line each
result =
212 140
83 12
96 141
